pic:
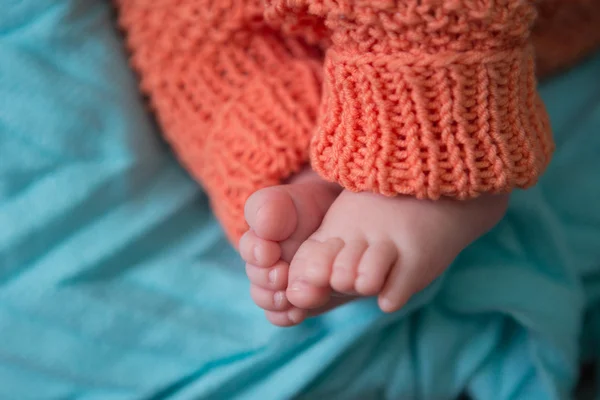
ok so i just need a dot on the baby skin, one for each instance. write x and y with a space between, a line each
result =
312 246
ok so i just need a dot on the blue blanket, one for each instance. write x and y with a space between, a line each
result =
117 283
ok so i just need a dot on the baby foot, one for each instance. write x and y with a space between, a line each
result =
281 218
370 245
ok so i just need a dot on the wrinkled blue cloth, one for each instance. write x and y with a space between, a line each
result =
117 283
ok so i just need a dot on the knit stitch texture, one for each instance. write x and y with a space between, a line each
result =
427 98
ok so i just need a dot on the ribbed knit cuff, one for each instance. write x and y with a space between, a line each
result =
454 124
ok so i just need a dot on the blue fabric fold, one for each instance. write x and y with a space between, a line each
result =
117 283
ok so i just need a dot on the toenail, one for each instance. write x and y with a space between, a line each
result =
273 275
255 253
385 304
295 316
279 299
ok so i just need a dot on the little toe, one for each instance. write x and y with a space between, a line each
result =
397 290
268 299
374 267
310 271
345 267
291 317
272 278
257 251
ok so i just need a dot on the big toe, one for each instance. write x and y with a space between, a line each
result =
309 273
289 214
271 213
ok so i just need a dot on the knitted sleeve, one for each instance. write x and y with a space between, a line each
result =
427 98
236 101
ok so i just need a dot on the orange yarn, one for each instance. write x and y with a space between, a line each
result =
422 97
428 98
236 101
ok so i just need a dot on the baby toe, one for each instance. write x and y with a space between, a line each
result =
374 267
272 278
271 214
345 266
310 271
257 251
268 299
397 290
291 317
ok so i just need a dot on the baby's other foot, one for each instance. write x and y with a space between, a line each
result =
370 245
280 220
268 290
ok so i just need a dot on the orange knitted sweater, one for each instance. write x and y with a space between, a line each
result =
427 98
